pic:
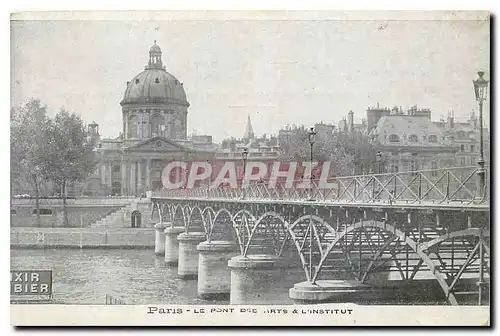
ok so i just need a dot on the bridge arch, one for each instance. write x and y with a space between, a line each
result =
309 234
156 212
421 250
208 215
223 227
270 232
195 221
177 214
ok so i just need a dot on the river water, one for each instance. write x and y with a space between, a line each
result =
133 276
139 277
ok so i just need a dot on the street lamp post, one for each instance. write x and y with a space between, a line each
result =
481 90
312 138
379 161
244 155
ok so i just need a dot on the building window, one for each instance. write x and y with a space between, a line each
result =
413 165
413 138
13 211
393 138
434 167
137 81
394 166
472 148
462 161
433 138
462 148
43 211
132 126
116 168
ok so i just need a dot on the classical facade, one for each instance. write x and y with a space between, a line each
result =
465 134
154 133
409 140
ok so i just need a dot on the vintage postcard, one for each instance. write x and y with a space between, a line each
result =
250 168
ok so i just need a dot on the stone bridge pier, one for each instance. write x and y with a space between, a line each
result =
172 244
188 254
160 237
214 275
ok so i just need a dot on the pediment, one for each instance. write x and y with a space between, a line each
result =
158 144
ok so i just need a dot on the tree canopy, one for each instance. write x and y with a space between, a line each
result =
54 151
348 153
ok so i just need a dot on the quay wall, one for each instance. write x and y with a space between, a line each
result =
78 216
82 238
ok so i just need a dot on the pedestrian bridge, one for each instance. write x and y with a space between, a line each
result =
378 230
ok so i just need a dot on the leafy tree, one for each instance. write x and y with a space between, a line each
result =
362 151
349 154
70 155
28 126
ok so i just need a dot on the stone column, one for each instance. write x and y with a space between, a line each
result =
148 174
109 173
124 177
126 134
132 178
147 124
172 244
103 174
214 276
139 176
188 254
253 279
160 237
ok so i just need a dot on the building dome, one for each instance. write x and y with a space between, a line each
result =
155 84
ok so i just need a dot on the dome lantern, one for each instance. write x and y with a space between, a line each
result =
155 61
154 84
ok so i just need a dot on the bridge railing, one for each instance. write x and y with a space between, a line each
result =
435 186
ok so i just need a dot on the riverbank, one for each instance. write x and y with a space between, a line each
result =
82 238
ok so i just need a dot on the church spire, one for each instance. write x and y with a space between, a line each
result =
248 130
155 58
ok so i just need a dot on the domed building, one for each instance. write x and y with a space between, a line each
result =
154 133
154 103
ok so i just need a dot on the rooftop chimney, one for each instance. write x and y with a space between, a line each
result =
351 121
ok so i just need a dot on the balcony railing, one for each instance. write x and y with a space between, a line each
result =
449 185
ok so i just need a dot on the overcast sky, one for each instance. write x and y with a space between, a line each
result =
277 71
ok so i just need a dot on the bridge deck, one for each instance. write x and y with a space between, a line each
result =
458 205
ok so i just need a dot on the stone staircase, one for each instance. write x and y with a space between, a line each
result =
117 219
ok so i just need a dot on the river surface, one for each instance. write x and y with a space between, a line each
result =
133 276
139 277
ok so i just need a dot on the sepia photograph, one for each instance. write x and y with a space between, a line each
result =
250 168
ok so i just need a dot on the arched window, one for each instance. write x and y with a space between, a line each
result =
132 126
157 125
433 138
393 138
413 138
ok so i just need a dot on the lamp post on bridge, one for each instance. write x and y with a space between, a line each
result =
244 155
379 162
481 90
312 138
